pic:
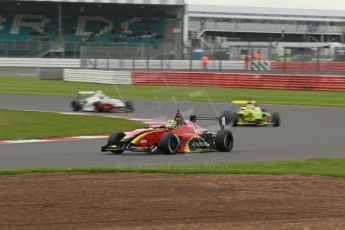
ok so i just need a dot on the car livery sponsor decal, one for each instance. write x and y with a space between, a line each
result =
140 136
195 144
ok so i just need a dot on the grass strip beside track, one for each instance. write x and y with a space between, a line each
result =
15 125
20 85
320 166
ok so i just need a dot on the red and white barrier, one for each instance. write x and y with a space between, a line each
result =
231 80
228 80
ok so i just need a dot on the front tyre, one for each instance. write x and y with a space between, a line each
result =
276 119
99 107
169 143
257 122
76 106
224 140
129 106
115 139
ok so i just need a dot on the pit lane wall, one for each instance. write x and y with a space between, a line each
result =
234 80
227 80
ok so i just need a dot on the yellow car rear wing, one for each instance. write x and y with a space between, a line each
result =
244 102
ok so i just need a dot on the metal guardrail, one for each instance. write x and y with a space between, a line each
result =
98 76
40 62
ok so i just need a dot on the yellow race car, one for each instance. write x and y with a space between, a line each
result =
253 115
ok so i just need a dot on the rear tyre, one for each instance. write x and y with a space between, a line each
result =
169 143
276 119
129 106
115 139
76 106
224 140
99 107
228 116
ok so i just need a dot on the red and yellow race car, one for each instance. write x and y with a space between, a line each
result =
176 136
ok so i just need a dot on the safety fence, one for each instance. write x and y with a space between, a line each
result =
336 68
297 66
113 64
160 64
228 80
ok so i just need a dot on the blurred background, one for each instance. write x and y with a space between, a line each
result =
172 35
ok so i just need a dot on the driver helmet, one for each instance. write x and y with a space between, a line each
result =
251 106
171 124
99 93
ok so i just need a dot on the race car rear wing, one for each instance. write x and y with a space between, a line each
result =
86 92
244 102
221 119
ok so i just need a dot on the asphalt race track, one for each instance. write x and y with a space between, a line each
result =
306 132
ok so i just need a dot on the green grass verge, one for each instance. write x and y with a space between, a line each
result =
321 166
16 125
20 85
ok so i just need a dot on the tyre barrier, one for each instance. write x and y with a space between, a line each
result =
231 80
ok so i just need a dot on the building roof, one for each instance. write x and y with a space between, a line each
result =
264 11
149 2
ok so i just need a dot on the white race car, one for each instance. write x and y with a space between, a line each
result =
96 101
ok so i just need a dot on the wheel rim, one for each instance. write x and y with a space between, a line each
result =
173 144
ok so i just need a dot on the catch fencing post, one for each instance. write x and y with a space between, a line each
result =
147 58
284 61
133 63
318 60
